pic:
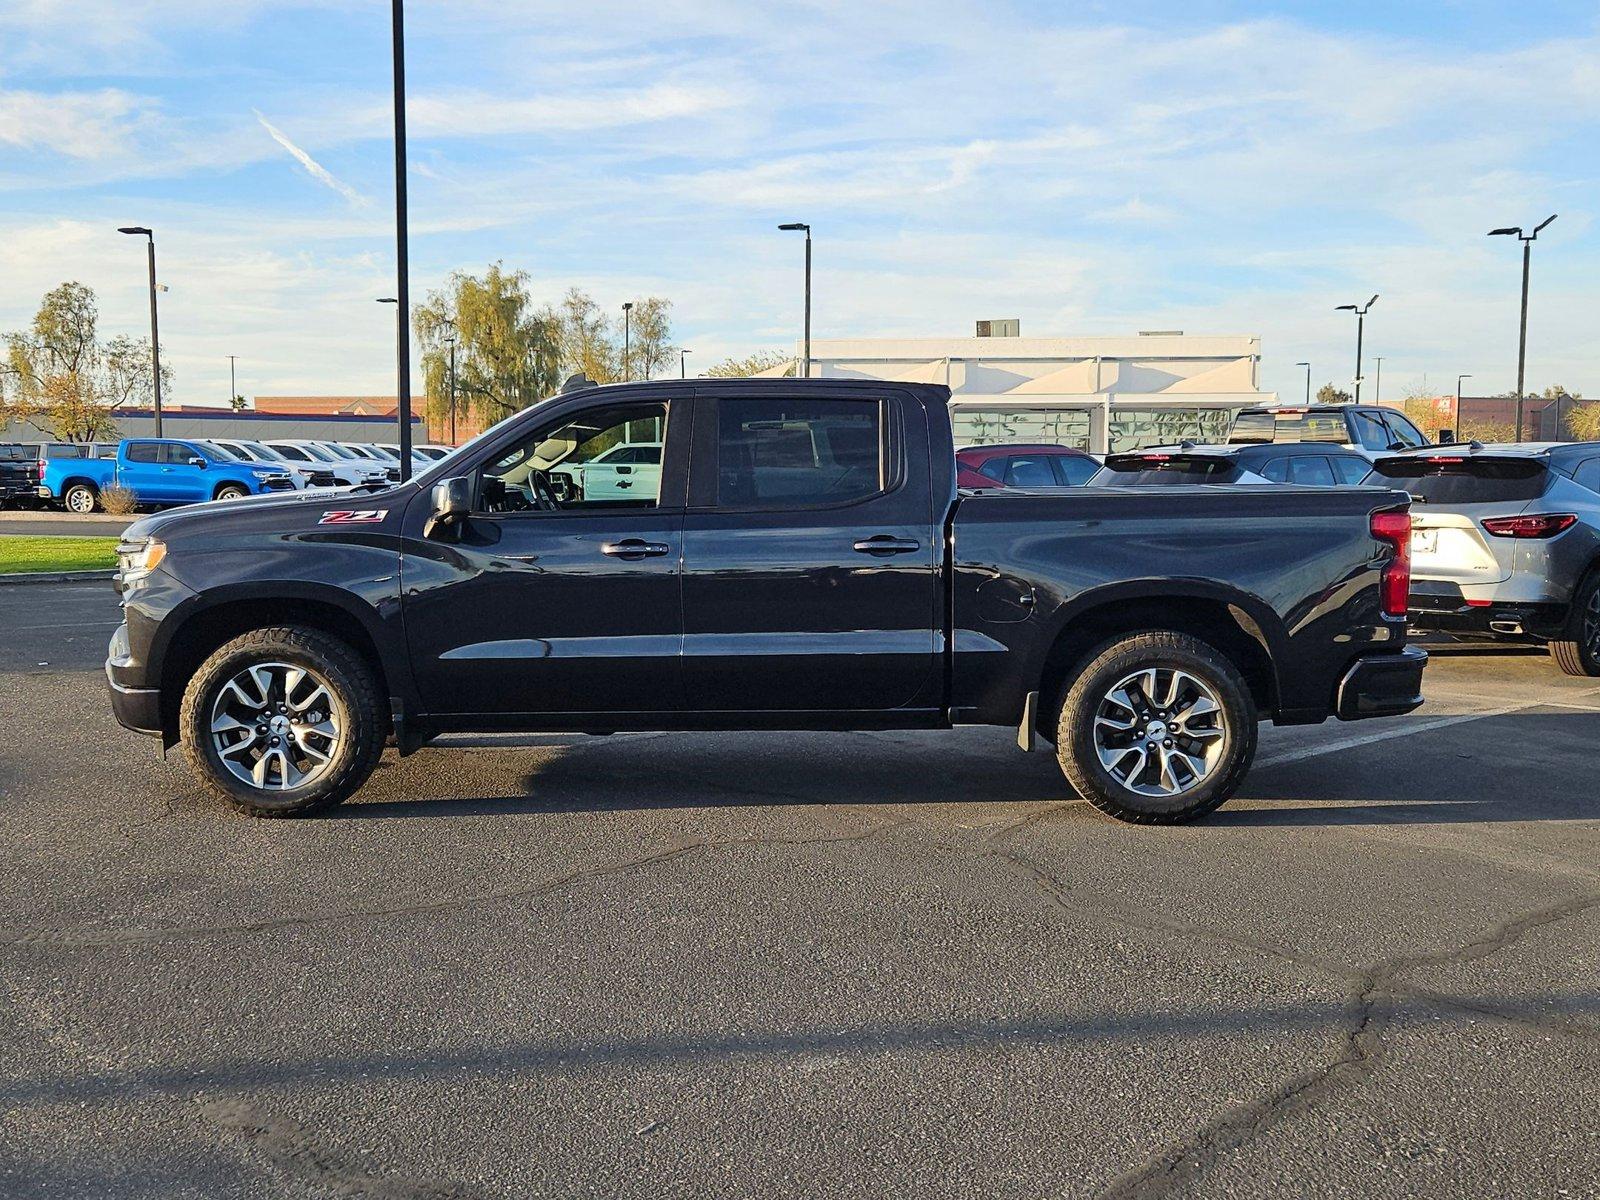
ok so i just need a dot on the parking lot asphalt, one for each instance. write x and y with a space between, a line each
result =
801 964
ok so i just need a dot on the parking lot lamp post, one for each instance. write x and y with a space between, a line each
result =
794 227
1360 311
627 341
155 335
683 371
1527 240
1307 366
1377 380
233 380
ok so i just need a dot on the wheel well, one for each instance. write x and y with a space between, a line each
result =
199 636
74 481
229 483
1230 629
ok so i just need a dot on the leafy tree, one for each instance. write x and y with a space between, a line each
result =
65 379
1429 413
1328 394
588 343
508 355
237 403
1556 392
750 364
650 348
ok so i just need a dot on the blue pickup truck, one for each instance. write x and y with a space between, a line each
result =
159 471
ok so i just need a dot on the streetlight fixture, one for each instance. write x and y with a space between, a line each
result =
1361 322
683 372
1527 240
627 341
402 300
1307 366
796 227
155 336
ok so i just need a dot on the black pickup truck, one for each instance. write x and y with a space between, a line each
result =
757 554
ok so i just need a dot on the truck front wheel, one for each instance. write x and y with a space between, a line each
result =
231 491
283 721
1157 728
80 498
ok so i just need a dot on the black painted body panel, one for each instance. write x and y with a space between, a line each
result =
769 619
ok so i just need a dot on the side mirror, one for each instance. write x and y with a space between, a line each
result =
452 501
1446 436
197 462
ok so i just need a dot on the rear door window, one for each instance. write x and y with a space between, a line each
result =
1072 471
1433 479
1277 470
1351 469
1311 470
1371 432
144 452
1030 470
799 453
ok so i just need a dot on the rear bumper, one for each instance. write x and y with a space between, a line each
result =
136 708
1381 685
1444 608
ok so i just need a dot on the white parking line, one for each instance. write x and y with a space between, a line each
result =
1408 730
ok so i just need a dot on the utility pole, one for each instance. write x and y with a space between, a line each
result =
1527 240
790 227
1307 366
155 334
627 341
1361 324
402 254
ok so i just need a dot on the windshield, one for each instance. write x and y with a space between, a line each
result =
212 450
263 452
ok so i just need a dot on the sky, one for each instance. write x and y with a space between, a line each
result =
1089 168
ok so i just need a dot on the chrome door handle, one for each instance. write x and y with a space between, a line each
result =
635 548
884 545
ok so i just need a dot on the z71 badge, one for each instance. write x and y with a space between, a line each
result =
353 516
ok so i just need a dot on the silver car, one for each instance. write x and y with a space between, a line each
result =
1505 542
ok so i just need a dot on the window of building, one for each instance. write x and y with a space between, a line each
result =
1008 426
1136 428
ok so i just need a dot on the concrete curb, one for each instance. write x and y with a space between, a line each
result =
22 577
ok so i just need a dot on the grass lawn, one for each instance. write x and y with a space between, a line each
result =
27 553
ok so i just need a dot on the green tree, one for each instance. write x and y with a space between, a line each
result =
508 356
1328 394
589 343
651 347
750 364
65 380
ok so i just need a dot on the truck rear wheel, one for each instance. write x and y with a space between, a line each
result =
1157 728
1578 652
80 498
284 721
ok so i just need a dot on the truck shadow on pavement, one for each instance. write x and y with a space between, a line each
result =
1521 767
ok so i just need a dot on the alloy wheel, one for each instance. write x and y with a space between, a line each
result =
276 726
1160 731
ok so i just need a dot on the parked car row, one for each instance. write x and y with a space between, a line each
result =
160 471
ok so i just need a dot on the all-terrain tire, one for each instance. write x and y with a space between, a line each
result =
1099 674
1578 652
347 676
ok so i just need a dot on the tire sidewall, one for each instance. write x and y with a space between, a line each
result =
231 492
332 784
79 489
1122 657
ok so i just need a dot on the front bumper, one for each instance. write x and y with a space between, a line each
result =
1381 685
136 708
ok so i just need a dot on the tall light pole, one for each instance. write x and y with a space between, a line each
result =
1361 323
793 227
1377 380
1459 378
1307 366
233 382
1527 240
402 297
451 341
627 341
155 335
683 371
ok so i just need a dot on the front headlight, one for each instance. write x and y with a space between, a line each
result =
136 559
264 473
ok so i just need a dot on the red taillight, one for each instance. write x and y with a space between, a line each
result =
1155 457
1537 525
1440 458
1393 525
1479 603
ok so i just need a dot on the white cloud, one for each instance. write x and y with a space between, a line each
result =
313 168
82 125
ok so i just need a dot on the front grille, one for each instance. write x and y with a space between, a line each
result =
320 479
277 483
393 473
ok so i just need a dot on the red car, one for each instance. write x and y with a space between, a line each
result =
1023 466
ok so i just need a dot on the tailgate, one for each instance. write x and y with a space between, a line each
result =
1451 545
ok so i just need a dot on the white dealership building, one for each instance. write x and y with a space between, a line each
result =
1097 393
